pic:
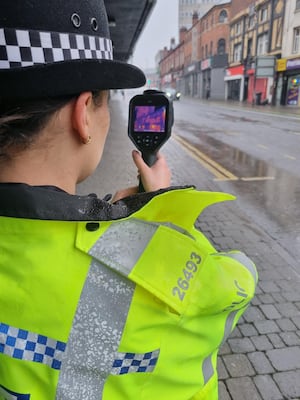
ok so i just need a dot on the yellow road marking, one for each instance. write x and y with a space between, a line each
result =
262 146
216 169
290 157
258 178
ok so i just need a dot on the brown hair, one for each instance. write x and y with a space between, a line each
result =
22 120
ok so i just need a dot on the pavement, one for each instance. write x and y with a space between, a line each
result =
261 358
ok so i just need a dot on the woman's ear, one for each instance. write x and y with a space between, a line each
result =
81 116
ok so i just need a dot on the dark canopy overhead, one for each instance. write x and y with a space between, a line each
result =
127 19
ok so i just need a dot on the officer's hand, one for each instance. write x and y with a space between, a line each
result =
153 178
121 194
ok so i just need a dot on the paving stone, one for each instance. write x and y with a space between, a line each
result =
291 295
243 345
286 325
260 363
267 387
276 341
285 359
278 298
290 338
266 298
253 314
238 365
287 309
222 371
236 333
242 389
223 394
296 321
248 330
225 349
270 311
266 326
288 383
262 342
269 287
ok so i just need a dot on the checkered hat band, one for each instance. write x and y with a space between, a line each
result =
20 48
126 363
25 345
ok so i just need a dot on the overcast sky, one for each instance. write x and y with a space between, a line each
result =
160 28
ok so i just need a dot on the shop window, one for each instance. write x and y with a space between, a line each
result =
221 46
296 40
262 44
223 16
237 52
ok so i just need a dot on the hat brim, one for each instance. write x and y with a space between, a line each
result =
67 78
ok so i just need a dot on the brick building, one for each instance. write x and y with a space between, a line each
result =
256 31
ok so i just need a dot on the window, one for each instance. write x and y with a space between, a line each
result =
296 40
251 22
221 46
238 27
211 49
237 52
249 47
263 14
223 16
262 44
297 4
206 51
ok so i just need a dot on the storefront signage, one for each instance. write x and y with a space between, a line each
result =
239 70
293 64
206 64
281 64
265 66
191 68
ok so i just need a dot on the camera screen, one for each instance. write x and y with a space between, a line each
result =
150 118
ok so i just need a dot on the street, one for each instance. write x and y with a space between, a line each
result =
253 154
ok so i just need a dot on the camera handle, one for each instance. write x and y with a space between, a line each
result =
150 159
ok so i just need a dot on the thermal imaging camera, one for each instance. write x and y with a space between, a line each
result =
150 122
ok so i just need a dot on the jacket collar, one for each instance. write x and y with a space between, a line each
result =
20 200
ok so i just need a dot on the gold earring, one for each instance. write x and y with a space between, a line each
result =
87 140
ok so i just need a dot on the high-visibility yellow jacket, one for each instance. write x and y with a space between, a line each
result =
134 306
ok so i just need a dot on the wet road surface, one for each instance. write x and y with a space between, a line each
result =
254 156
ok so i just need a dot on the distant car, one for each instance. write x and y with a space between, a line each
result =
172 93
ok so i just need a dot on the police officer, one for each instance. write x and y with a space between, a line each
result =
98 300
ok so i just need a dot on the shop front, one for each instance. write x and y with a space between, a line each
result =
191 80
234 83
293 82
288 82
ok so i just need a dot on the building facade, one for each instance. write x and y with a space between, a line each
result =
288 67
241 50
187 8
256 36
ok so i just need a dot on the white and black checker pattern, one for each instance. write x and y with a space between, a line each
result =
126 363
29 346
21 48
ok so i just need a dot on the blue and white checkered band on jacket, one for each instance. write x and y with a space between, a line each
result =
23 48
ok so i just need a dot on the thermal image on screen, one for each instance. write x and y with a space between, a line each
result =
149 118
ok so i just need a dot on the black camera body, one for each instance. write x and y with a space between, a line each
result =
151 118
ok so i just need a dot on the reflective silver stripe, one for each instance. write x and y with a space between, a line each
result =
122 244
229 325
95 335
244 260
207 369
